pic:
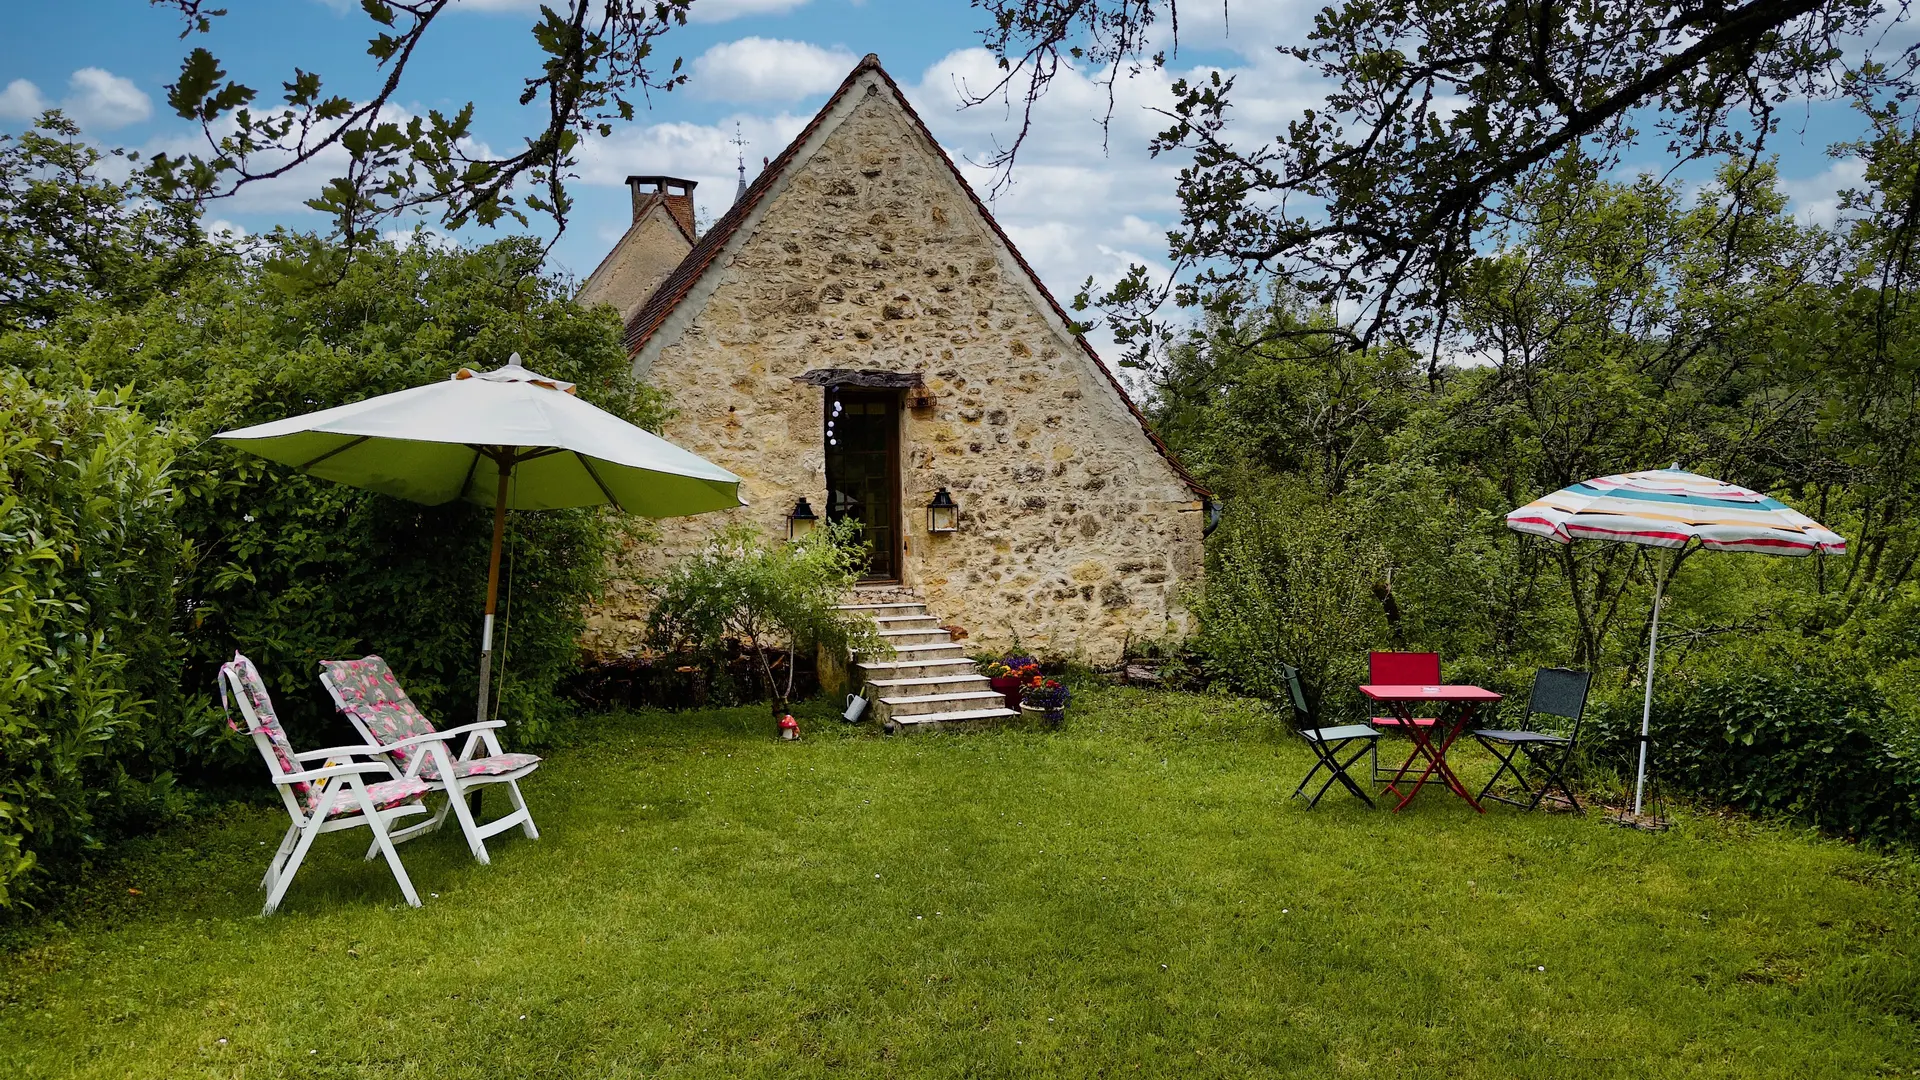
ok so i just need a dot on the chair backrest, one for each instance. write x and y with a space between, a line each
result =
1560 692
1296 697
372 700
1403 668
263 724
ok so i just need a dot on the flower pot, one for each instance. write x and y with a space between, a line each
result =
1051 717
1008 687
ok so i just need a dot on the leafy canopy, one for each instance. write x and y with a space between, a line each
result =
1375 202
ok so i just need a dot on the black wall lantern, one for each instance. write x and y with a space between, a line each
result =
802 520
941 513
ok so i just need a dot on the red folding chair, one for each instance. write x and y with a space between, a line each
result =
1400 669
1403 669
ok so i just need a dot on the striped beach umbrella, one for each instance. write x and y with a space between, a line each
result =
1669 508
1672 508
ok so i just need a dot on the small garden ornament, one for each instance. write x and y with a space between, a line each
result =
789 727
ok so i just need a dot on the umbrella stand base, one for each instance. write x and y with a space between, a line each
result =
1644 822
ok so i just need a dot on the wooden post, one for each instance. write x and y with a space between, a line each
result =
505 461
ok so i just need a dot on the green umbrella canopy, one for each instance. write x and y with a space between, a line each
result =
445 441
509 438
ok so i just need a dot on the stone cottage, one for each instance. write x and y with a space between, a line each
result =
857 334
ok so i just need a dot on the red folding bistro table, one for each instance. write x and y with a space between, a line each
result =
1459 704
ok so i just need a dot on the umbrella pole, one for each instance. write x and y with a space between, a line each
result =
1646 710
493 583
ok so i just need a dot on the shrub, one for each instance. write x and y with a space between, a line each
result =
738 586
1289 581
292 569
88 558
1808 744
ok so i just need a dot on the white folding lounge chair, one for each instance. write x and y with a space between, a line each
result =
366 691
331 798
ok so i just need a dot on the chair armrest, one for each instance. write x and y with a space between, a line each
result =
337 770
441 736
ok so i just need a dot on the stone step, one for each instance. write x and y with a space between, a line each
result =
936 650
932 684
930 668
906 622
923 704
885 594
884 609
930 635
936 721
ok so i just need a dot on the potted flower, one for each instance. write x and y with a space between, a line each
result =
1006 675
1046 697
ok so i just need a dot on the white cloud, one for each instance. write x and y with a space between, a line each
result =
222 230
419 233
768 69
21 100
100 99
714 11
703 153
1816 199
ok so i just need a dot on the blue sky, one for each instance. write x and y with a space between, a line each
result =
1075 209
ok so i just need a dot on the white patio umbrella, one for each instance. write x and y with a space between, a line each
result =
510 437
1672 508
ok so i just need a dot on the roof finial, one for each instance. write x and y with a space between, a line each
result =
740 156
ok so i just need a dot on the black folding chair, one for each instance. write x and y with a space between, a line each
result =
1329 744
1560 693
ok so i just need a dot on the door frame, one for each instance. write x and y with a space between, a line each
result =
892 399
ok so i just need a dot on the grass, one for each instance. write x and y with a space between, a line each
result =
1134 895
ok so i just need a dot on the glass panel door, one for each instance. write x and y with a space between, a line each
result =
863 479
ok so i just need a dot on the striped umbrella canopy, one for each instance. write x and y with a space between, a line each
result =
1672 508
1668 508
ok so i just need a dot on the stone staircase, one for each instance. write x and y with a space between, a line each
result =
928 683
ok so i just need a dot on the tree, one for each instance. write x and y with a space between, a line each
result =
764 596
597 60
68 235
1376 203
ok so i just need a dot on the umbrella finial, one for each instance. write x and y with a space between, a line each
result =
514 361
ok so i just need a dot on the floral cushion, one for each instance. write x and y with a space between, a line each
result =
386 795
486 766
280 749
373 697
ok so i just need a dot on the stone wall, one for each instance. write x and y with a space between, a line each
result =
646 253
1075 534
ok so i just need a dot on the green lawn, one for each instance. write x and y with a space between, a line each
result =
1134 895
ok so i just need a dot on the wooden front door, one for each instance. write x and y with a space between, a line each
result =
863 471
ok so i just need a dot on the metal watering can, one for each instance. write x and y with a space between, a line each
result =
856 708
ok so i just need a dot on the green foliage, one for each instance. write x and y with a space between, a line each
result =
88 561
291 569
590 63
69 236
1797 741
139 553
1619 326
1290 581
762 595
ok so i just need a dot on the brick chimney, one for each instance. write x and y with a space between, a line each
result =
679 195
